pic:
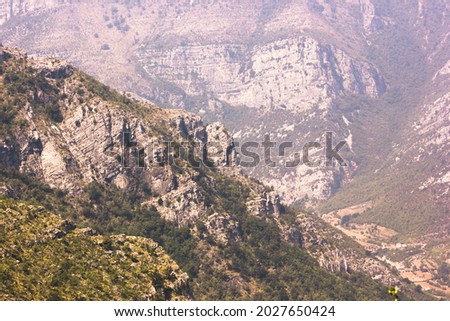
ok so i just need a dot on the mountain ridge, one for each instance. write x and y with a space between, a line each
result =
218 220
375 73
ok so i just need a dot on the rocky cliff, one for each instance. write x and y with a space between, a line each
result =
290 69
279 61
98 150
10 9
293 74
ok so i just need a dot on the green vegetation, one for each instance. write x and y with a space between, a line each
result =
46 258
444 272
22 86
398 203
231 195
395 206
268 267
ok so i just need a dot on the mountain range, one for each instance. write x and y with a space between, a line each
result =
374 73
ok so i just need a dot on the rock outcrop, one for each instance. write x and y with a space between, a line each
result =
269 204
332 250
97 139
224 228
220 147
53 69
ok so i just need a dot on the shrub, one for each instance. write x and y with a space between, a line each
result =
54 113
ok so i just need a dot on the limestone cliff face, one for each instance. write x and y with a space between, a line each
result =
11 8
294 74
104 137
283 84
272 64
102 140
289 62
221 148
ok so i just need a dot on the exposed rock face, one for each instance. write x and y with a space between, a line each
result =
89 144
53 69
216 69
99 141
311 73
290 62
434 125
83 147
182 205
268 204
313 76
332 251
220 145
372 22
12 8
224 228
336 262
190 127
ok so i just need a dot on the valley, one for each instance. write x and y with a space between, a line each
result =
412 260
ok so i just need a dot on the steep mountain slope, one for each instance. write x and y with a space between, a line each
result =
215 68
405 182
47 258
373 72
64 128
291 69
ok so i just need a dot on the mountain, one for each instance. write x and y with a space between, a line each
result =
373 72
226 74
70 164
293 70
